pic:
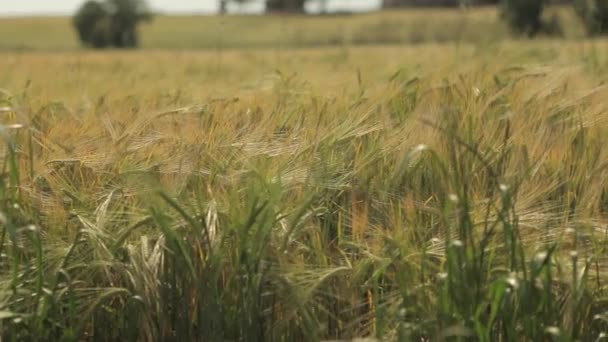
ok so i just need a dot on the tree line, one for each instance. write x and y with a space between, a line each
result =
113 23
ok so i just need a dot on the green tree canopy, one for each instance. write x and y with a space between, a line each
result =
294 6
594 14
110 23
523 16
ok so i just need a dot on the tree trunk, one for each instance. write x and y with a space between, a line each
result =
223 7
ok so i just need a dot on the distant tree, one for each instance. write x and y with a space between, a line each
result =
126 14
523 16
223 7
110 23
293 6
594 14
87 23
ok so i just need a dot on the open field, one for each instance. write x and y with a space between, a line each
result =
428 192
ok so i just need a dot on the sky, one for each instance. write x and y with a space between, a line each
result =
64 7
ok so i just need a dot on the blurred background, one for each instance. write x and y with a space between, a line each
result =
65 7
195 24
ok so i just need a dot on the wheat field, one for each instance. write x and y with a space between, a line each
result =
437 191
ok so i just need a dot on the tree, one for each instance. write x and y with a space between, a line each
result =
110 23
87 23
223 7
126 14
293 6
523 16
594 14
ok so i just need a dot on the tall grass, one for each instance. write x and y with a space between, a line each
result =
464 206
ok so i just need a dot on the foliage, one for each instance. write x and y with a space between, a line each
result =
111 23
594 15
523 16
285 5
